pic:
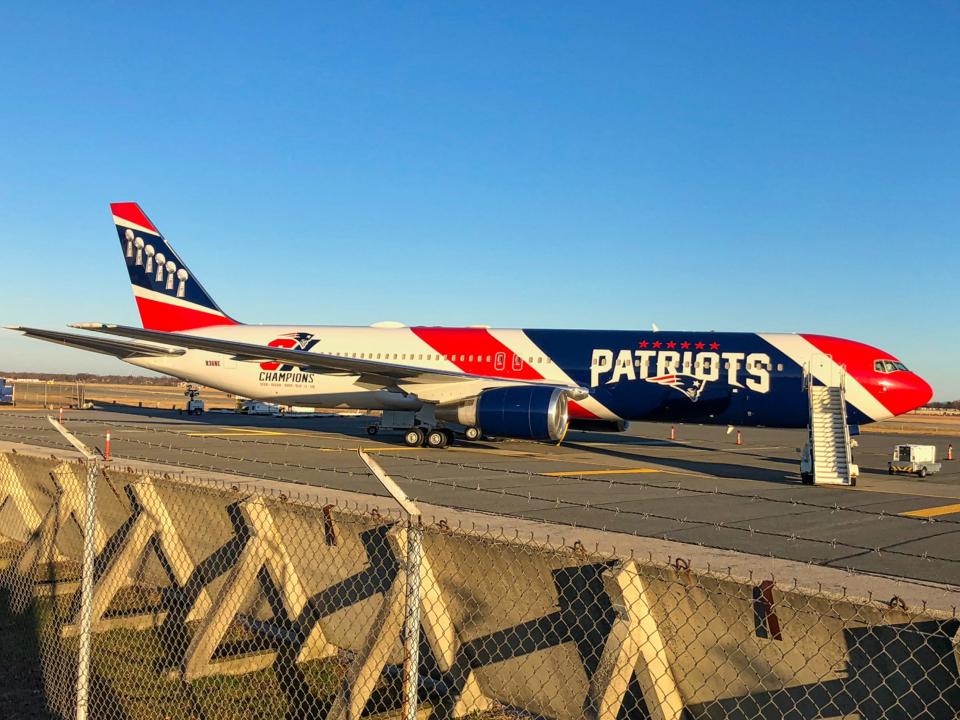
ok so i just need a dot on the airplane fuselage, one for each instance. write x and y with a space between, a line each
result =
739 379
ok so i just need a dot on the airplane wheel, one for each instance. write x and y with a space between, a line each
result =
451 436
472 433
413 437
436 439
372 429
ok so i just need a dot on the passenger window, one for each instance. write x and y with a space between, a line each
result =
471 358
779 367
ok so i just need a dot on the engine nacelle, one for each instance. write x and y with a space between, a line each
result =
528 412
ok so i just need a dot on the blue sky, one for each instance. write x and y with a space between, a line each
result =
729 166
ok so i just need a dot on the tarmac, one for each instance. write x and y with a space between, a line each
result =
701 488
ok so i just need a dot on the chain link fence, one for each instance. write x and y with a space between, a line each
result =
207 600
48 394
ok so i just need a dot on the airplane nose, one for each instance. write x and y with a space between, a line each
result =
919 390
904 392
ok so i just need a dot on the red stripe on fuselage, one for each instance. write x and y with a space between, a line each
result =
132 213
898 392
156 315
476 352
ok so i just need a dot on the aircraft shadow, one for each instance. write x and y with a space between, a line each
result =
717 469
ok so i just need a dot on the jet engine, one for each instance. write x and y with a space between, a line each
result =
528 412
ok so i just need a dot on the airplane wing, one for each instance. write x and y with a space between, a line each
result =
372 371
117 348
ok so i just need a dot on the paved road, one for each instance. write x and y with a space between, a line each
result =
702 488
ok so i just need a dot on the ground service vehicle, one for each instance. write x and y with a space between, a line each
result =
195 405
919 460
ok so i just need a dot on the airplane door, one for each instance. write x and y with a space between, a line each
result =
825 369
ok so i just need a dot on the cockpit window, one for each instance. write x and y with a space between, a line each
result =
887 366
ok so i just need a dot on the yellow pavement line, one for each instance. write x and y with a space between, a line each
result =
229 433
933 511
578 473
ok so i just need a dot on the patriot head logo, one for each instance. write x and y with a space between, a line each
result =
292 341
689 385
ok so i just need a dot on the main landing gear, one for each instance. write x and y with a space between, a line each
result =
435 438
419 431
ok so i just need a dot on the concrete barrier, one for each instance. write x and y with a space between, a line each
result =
552 631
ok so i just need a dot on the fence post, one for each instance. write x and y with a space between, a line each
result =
86 577
412 563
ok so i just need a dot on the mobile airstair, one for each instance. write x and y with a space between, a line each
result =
827 458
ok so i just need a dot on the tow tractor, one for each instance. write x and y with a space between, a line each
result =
919 460
195 405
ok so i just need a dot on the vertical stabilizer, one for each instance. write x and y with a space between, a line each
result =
168 295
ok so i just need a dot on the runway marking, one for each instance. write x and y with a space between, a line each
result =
624 471
934 511
236 431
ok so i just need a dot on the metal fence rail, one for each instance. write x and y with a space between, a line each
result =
211 601
48 394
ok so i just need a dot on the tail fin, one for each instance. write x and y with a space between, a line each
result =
168 295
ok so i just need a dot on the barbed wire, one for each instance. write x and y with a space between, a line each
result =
583 477
529 496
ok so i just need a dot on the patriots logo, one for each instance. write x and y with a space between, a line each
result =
293 341
689 385
303 340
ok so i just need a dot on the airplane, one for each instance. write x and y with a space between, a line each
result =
510 383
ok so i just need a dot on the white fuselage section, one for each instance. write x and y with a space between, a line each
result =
288 385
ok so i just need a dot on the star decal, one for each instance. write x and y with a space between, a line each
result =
657 343
714 345
699 346
671 344
643 343
684 345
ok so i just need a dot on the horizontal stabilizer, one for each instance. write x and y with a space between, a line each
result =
117 348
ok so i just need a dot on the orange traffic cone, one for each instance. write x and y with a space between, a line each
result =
950 451
739 438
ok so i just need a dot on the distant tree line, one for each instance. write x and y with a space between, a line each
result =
91 378
945 404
